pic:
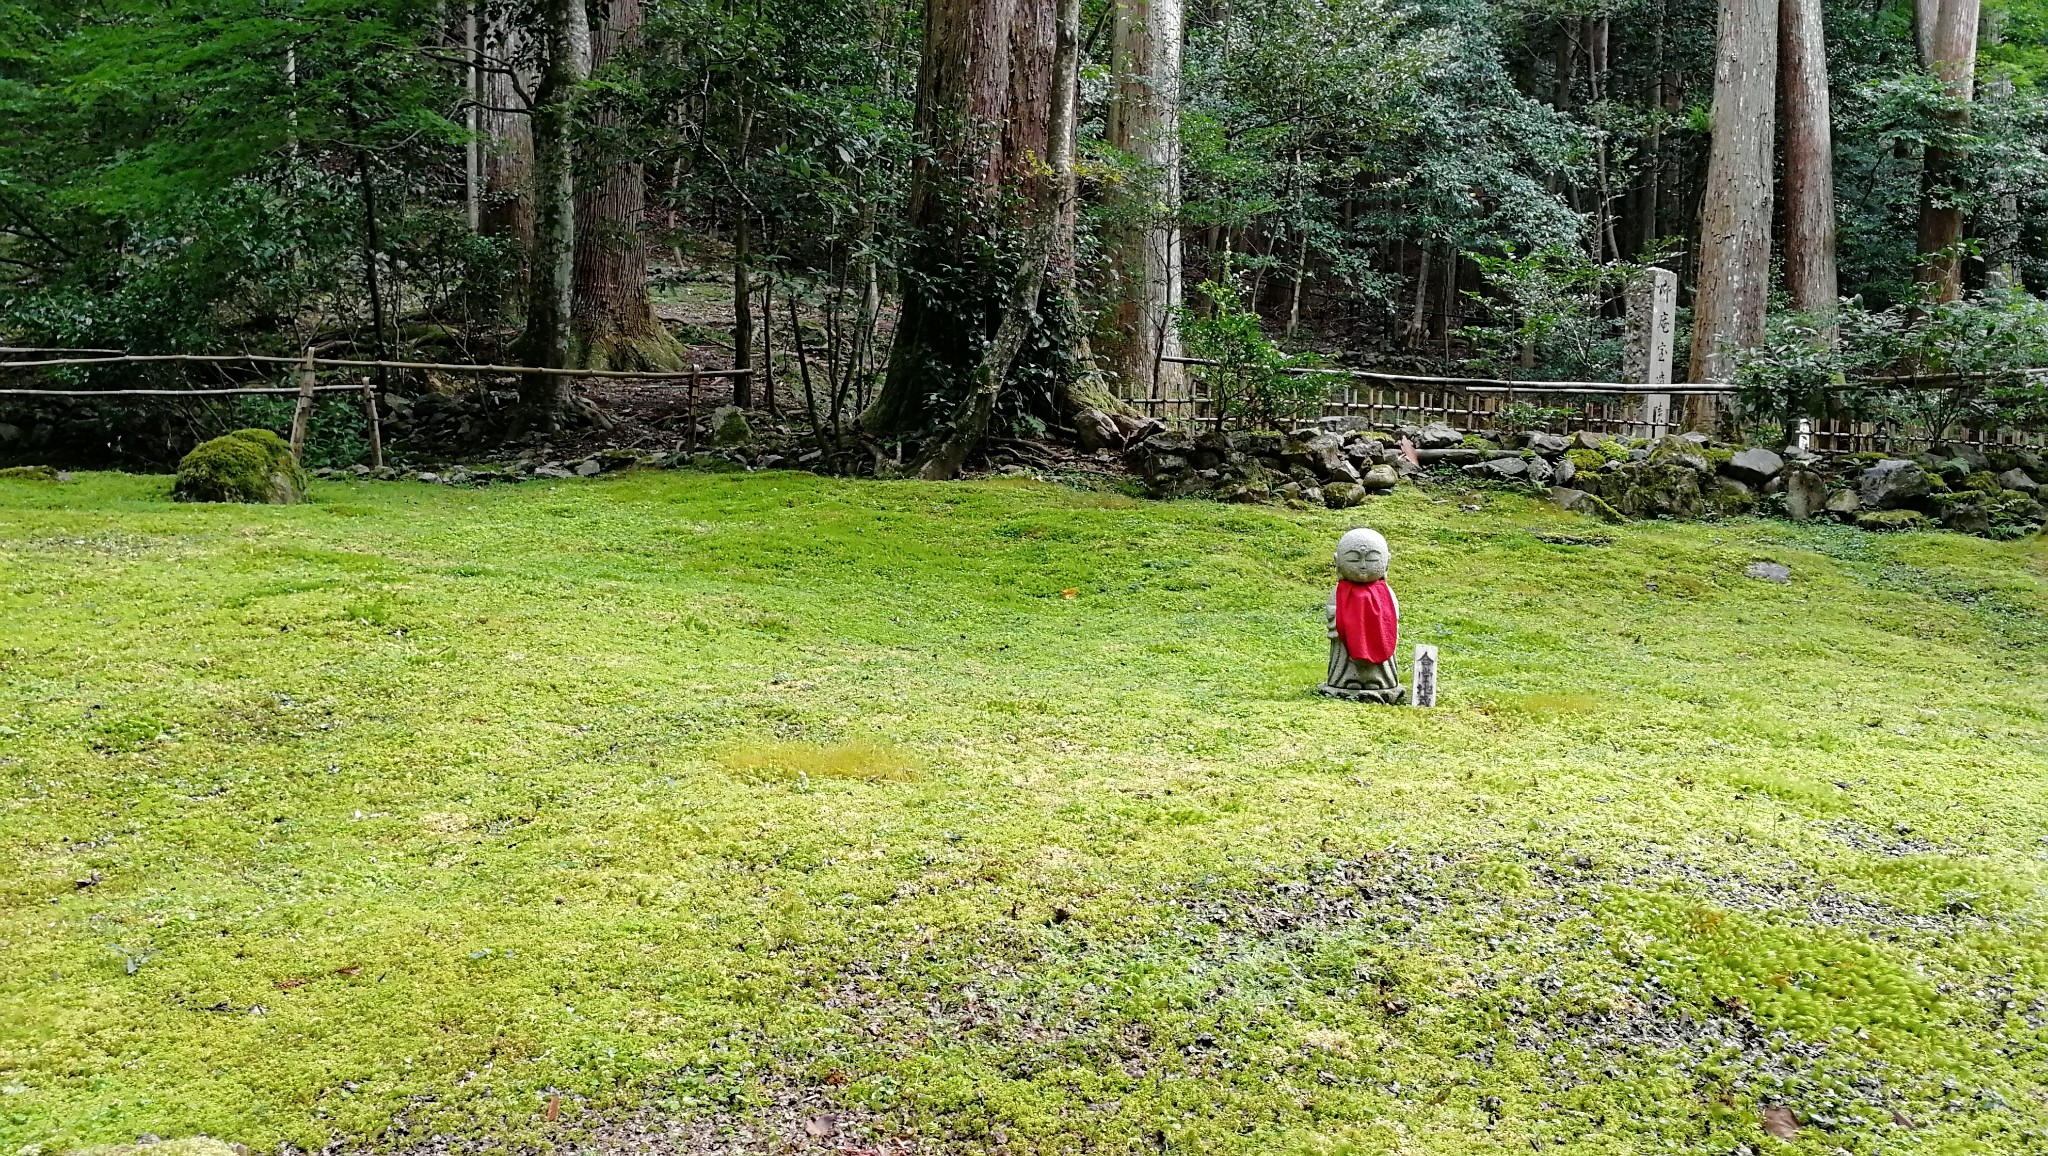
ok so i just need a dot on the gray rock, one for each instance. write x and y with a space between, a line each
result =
1540 471
1586 439
1548 444
1891 484
1562 472
1500 470
1697 439
587 467
1437 436
359 470
1970 456
1806 493
1769 571
1844 502
1380 477
1455 457
1343 495
2019 480
729 427
424 476
1755 466
552 472
1321 452
1582 502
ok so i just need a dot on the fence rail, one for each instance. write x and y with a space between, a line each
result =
1384 401
308 387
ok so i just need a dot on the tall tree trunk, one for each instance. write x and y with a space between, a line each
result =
615 326
1810 276
971 420
551 289
984 95
506 94
1144 250
1951 43
1735 223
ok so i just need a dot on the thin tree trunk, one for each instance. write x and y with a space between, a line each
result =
742 266
1810 276
1145 253
1418 319
1735 226
1952 47
551 295
615 326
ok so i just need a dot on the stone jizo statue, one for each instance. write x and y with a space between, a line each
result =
1364 624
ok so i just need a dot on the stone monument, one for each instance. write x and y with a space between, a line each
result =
1363 620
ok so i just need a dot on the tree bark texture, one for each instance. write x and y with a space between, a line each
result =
1144 247
1951 43
971 420
1810 272
505 91
551 289
615 326
984 97
1733 285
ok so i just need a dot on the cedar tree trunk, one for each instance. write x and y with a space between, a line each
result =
615 326
1144 247
1810 276
1733 289
551 289
1952 47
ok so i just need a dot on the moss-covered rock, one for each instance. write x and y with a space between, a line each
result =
1586 461
1887 520
1984 482
248 465
32 474
1727 497
1654 489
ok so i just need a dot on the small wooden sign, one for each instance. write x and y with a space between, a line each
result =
1424 691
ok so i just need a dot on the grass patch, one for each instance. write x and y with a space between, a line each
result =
865 762
1001 817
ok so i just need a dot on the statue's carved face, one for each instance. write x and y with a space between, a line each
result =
1362 556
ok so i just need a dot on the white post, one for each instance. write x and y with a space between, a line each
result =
1646 356
1423 675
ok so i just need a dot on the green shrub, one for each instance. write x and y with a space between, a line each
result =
248 465
1614 450
1984 482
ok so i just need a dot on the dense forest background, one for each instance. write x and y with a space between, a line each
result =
934 219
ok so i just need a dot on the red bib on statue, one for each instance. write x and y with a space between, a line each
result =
1367 622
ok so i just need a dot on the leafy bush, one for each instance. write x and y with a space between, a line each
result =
1248 378
1544 310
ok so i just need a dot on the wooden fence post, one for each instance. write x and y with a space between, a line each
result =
302 412
1646 354
376 425
690 412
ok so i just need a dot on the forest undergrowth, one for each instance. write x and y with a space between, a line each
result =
676 812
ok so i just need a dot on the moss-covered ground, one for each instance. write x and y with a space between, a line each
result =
998 817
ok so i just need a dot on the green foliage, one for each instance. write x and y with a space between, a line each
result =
1544 316
1248 380
248 465
1969 356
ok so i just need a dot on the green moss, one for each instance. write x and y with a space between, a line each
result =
1476 442
1586 461
1984 482
1614 450
30 474
1717 456
248 465
1888 520
957 808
